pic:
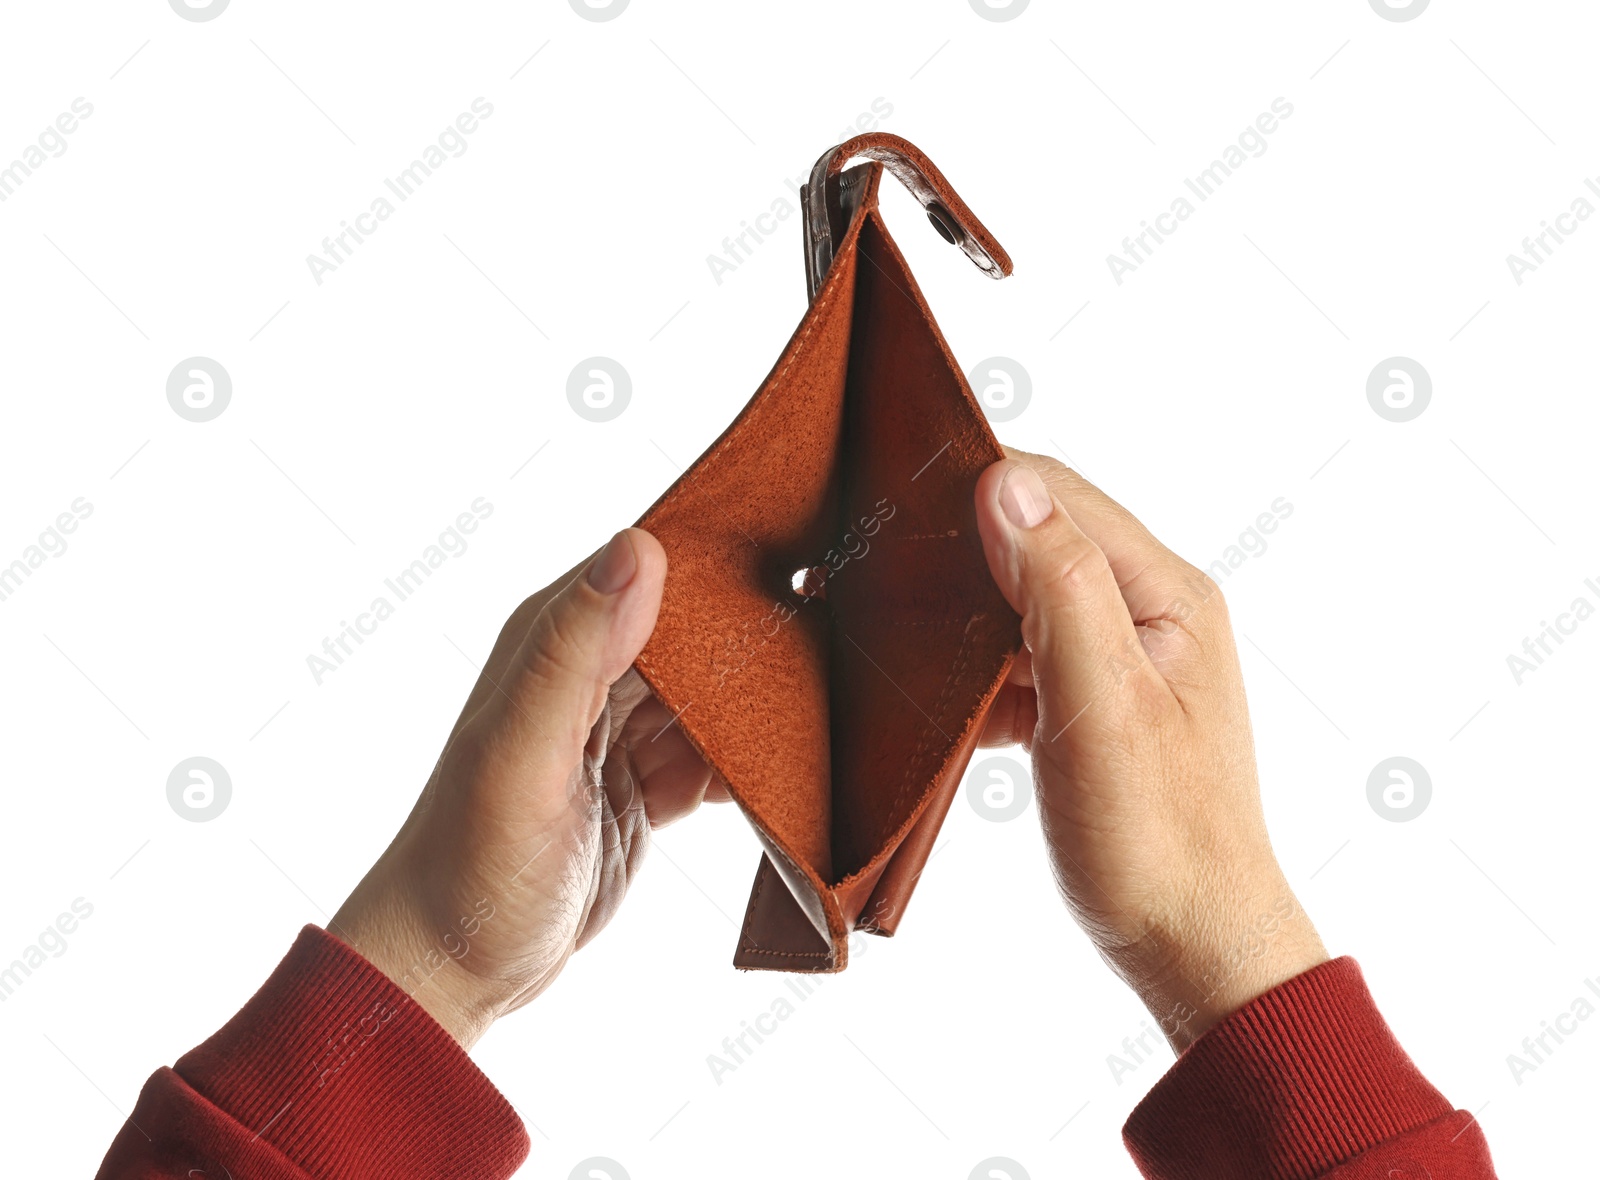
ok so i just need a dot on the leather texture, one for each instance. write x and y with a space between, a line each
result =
829 637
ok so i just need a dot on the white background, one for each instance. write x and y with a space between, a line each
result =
370 410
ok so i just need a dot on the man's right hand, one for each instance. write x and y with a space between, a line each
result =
1130 700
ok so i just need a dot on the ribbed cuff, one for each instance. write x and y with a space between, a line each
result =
342 1072
1286 1088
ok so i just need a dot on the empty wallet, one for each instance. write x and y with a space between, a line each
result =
830 639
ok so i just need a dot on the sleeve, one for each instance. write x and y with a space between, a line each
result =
1305 1081
330 1072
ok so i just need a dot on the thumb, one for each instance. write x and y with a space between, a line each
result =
582 641
1086 654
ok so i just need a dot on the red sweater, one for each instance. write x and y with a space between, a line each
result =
331 1072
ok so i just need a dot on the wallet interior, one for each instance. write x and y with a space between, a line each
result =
829 634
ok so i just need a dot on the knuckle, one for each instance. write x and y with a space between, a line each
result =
559 646
1081 570
522 618
1050 467
1205 597
1218 605
516 628
1215 605
464 755
550 667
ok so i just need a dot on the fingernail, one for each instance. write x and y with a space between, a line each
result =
1023 497
615 566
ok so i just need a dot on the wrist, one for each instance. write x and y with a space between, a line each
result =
387 932
1193 976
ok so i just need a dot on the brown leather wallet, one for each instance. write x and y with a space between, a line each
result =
830 638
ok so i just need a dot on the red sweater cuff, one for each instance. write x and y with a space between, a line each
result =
1288 1087
339 1070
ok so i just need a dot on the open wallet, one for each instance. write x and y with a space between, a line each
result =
830 639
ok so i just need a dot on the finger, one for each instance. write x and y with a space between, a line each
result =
1155 582
675 793
673 777
1087 658
1013 717
656 742
582 640
1178 611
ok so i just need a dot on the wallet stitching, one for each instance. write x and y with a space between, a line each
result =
756 950
748 946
